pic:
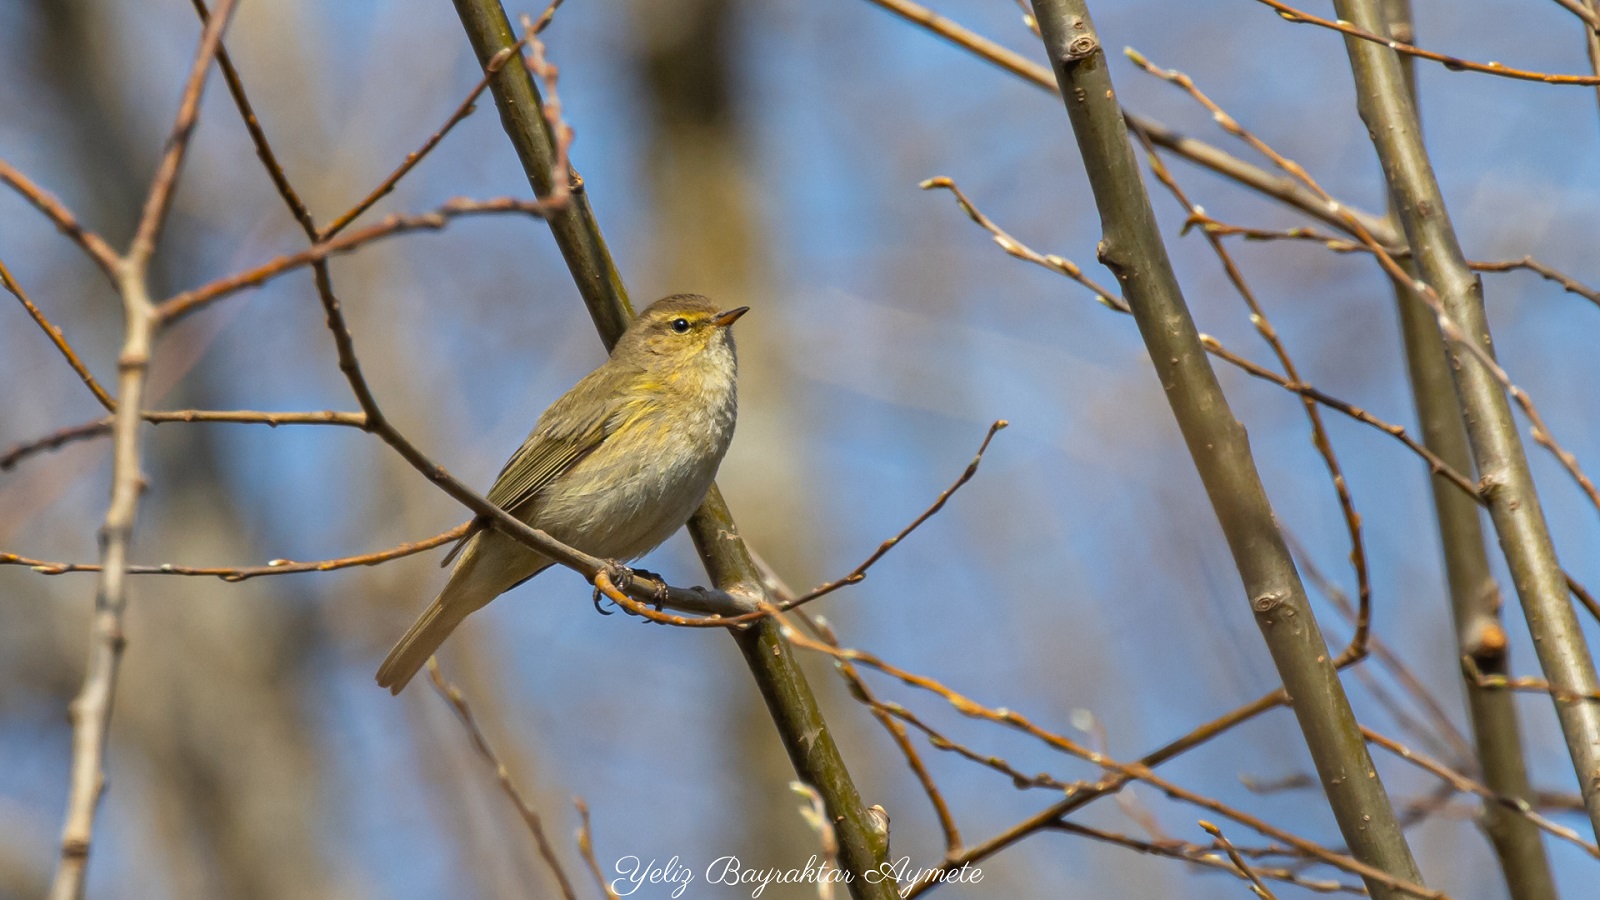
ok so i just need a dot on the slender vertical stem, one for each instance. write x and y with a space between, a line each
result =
90 711
1474 595
1132 248
1508 486
863 848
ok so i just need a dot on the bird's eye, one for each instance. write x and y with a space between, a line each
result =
680 325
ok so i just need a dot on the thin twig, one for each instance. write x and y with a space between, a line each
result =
586 849
1319 432
102 426
530 816
1256 886
91 243
465 109
1462 783
57 338
1453 63
275 567
859 573
1203 856
180 305
1136 771
1538 429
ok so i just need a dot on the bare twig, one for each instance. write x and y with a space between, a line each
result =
586 848
1467 785
57 338
530 816
275 567
91 243
1455 296
1453 63
1256 886
859 573
1205 857
180 305
91 709
416 156
1319 433
102 426
1135 771
1132 248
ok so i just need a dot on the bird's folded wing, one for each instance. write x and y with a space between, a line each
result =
568 431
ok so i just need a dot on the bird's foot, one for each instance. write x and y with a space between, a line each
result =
660 595
621 576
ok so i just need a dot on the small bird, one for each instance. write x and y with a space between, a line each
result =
613 468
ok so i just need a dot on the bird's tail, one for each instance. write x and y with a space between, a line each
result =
426 634
490 565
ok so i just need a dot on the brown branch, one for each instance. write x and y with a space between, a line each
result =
530 817
1341 245
102 426
180 305
1256 887
275 567
91 243
1284 190
54 441
90 711
1455 296
1134 771
57 338
1453 63
1589 16
1132 248
585 838
897 733
1203 856
1215 348
1016 248
1462 783
467 107
1319 433
859 573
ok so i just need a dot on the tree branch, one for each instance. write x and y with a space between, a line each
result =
811 748
1133 250
1391 119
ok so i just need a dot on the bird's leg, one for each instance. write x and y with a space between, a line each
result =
621 576
659 595
624 577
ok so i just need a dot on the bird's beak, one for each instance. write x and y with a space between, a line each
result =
724 319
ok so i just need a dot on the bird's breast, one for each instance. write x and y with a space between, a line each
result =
645 480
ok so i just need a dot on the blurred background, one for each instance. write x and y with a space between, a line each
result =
765 153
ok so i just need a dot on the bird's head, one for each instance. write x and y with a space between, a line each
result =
680 331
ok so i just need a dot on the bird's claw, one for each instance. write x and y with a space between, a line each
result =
621 576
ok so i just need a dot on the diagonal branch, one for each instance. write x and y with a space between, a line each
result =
91 243
57 338
1454 63
863 846
1132 248
1455 295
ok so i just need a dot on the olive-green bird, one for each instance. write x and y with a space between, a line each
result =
613 468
